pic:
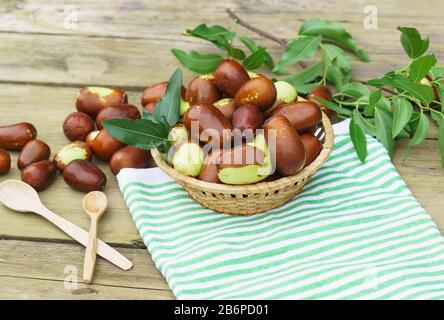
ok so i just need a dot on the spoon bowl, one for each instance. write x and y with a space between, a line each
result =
19 196
95 203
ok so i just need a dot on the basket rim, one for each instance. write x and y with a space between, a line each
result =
260 187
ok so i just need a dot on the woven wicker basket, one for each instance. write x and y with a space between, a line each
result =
253 198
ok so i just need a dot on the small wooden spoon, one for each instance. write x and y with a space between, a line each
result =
21 197
94 204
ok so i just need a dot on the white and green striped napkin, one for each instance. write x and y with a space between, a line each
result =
355 232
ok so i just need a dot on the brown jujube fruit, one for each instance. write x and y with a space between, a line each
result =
129 157
322 92
150 107
90 137
84 176
202 89
303 115
77 150
34 151
155 92
259 91
91 100
124 111
226 106
288 150
208 172
15 136
39 175
206 116
5 162
77 126
312 147
247 117
104 145
230 76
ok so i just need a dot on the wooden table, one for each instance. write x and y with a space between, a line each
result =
45 59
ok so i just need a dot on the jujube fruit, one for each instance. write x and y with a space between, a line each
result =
5 162
202 89
92 100
129 157
84 176
127 111
34 151
303 115
15 136
39 175
312 147
259 91
77 126
230 76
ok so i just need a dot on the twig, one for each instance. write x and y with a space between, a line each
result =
279 40
248 26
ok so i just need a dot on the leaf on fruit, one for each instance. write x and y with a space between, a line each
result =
358 139
301 48
232 51
168 108
383 122
217 35
198 62
421 130
420 67
255 60
412 42
334 32
140 133
402 113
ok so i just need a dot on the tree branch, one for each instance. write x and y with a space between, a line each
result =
279 40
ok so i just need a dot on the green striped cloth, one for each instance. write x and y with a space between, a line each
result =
355 232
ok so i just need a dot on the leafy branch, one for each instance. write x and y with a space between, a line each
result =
411 93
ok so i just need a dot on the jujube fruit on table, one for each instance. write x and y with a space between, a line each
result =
92 100
230 76
34 151
154 93
39 175
15 136
77 150
5 162
129 157
127 111
259 91
202 89
104 145
77 126
84 176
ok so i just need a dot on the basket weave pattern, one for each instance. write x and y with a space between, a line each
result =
253 198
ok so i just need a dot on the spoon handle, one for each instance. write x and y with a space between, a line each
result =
90 254
82 237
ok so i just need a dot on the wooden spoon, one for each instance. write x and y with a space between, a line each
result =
21 197
94 204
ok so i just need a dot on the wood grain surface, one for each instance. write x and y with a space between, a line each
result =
44 61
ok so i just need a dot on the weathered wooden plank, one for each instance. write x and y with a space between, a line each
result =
13 288
64 263
139 52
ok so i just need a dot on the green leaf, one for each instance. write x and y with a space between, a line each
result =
364 123
232 51
437 72
359 140
412 42
306 75
140 133
332 31
301 48
402 113
421 130
197 62
253 46
383 122
336 108
421 67
306 88
334 75
441 141
330 51
168 108
354 90
421 92
255 60
217 35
